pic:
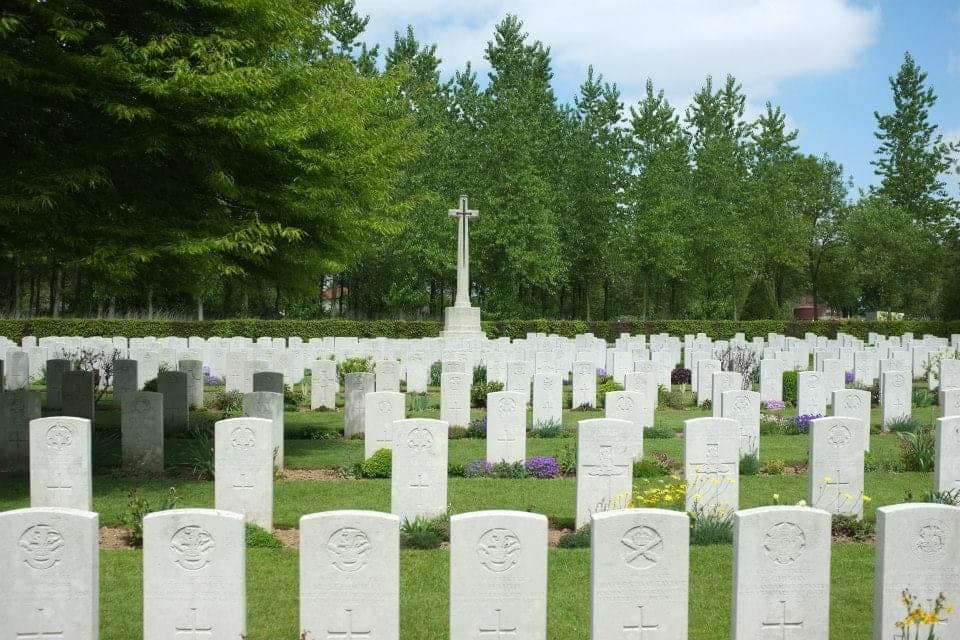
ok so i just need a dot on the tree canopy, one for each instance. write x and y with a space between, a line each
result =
246 157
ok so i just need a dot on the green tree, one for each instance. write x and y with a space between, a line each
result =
912 156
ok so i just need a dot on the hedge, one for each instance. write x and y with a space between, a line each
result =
306 329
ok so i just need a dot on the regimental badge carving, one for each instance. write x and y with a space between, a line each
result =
624 404
498 550
348 548
454 383
956 434
507 407
17 406
839 435
191 547
41 546
898 380
784 543
420 441
243 439
741 406
930 543
59 437
263 409
384 407
640 547
853 403
141 406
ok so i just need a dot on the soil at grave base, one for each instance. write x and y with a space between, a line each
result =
309 474
114 538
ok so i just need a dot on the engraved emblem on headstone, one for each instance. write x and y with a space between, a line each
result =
420 441
741 406
853 403
839 435
41 546
639 547
348 549
931 541
384 407
784 543
243 438
59 437
507 406
190 547
498 550
141 406
624 403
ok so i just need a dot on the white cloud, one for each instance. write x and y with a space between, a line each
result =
677 44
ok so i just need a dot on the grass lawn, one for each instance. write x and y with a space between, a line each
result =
272 592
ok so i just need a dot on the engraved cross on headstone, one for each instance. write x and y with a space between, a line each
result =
782 625
58 484
193 631
463 215
43 632
499 631
837 483
349 633
639 628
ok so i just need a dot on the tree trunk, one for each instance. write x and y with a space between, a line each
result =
17 287
112 309
56 292
149 303
200 308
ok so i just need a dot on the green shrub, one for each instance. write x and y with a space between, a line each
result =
882 461
436 369
479 391
200 456
607 384
353 365
227 401
424 533
917 449
924 398
139 506
749 465
258 538
418 402
457 433
951 497
379 465
514 470
790 387
548 430
774 467
150 385
659 432
711 527
853 529
675 398
567 458
905 424
479 374
579 539
312 432
477 428
645 468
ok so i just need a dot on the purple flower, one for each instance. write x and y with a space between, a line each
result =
849 377
477 469
680 376
802 422
774 405
543 467
601 373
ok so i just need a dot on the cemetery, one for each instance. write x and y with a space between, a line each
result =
365 320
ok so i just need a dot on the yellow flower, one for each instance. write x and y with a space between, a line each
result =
776 496
827 479
802 503
866 498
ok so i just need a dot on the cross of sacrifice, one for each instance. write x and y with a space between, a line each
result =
464 214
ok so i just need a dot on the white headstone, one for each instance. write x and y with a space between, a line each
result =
584 385
604 466
455 398
350 575
418 484
60 468
628 405
194 371
382 410
949 402
498 576
644 383
268 406
712 465
854 403
640 561
722 382
896 397
323 384
16 369
243 481
506 427
194 575
141 432
810 394
355 387
49 574
705 370
946 471
781 574
547 399
744 407
836 465
918 550
771 380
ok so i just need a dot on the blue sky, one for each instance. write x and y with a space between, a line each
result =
826 62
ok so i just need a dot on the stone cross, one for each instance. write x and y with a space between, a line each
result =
463 250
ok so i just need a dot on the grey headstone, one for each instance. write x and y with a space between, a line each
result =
17 409
141 429
124 379
194 371
55 370
269 406
176 412
78 394
268 381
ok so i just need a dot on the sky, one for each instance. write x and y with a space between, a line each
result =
825 62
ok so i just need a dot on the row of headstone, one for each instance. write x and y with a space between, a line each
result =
194 573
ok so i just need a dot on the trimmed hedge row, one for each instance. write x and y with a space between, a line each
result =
306 329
